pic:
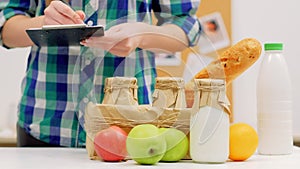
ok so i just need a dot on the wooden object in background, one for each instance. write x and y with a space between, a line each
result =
206 7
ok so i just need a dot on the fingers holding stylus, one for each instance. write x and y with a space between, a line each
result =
59 13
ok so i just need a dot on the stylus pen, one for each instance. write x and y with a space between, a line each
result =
67 3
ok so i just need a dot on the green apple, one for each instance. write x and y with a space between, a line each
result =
145 144
177 144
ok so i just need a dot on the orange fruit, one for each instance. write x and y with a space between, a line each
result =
243 141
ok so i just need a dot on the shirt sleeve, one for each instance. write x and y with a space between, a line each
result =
181 13
10 8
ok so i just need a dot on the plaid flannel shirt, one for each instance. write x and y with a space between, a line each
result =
60 80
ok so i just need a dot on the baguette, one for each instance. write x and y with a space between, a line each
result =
233 62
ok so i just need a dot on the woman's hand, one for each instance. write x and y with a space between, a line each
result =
119 40
58 13
123 39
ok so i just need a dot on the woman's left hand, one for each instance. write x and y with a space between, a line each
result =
119 40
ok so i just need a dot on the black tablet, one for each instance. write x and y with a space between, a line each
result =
63 35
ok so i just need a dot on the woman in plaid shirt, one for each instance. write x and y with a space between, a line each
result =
60 80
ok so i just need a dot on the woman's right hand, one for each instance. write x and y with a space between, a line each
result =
58 13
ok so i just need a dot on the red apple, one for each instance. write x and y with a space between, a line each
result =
110 144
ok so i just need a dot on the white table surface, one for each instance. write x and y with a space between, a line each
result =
64 158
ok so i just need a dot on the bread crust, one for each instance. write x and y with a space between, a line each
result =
233 62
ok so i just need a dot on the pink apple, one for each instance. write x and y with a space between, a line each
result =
110 144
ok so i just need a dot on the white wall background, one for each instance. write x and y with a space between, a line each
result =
266 20
12 69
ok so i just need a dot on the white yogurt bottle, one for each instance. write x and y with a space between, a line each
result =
274 103
209 124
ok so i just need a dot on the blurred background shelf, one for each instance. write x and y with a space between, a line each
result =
8 138
297 140
8 142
